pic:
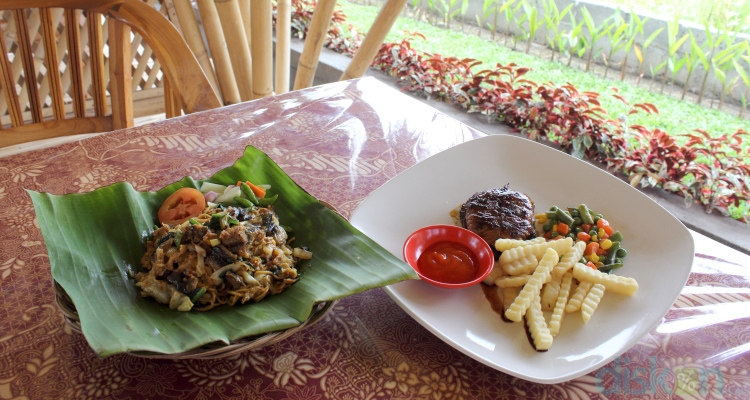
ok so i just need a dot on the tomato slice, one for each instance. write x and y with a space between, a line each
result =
181 205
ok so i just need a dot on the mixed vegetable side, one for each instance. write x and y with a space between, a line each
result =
603 243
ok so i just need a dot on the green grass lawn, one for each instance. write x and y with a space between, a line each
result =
675 116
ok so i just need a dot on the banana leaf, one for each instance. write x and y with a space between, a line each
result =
95 242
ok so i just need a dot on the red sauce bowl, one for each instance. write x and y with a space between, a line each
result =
421 240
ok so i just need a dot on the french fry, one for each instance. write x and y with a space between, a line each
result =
507 244
536 325
532 287
520 266
569 259
537 250
591 301
496 272
509 294
574 304
512 281
558 313
550 291
613 283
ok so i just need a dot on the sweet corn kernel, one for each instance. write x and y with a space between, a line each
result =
554 228
605 244
594 238
599 264
541 218
600 233
594 258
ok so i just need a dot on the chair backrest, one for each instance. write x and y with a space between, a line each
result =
54 79
238 36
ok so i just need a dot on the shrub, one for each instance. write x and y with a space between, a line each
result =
711 171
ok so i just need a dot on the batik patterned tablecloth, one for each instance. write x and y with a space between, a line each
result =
339 142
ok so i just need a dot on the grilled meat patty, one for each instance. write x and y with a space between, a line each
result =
499 213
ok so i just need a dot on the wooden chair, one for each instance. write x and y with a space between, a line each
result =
31 61
239 40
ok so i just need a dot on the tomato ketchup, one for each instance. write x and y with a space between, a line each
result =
448 262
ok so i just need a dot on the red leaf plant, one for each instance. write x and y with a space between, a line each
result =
712 170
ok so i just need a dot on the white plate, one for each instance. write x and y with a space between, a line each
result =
660 254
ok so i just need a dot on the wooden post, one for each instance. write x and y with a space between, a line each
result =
283 40
9 85
49 36
239 49
75 63
120 74
24 42
262 48
374 39
96 61
192 34
219 52
316 35
245 12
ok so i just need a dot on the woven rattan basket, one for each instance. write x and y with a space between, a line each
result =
208 351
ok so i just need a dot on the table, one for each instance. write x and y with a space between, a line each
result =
340 142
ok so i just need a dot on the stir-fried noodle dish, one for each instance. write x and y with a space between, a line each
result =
223 255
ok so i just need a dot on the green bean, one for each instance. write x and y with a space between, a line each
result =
583 210
243 202
249 193
267 201
564 217
616 237
547 226
197 294
612 253
607 268
551 215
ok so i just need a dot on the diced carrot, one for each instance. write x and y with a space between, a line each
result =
583 236
601 223
548 235
601 252
591 265
562 228
591 248
586 227
608 230
259 191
